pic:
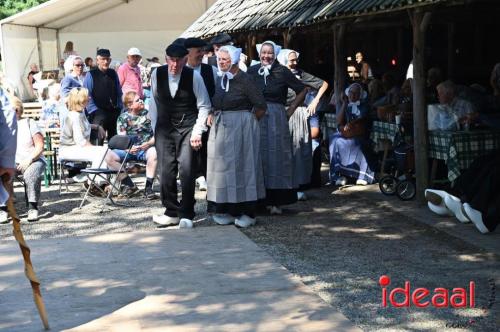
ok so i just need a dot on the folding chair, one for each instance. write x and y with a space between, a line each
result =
119 142
64 164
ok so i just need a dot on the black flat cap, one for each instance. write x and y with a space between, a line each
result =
221 39
194 42
176 50
179 41
104 52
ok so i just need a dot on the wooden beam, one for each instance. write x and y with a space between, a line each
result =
451 50
419 22
340 60
286 38
251 42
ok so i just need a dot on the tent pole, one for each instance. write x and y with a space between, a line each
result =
39 44
58 46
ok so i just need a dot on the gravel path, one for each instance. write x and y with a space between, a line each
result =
339 245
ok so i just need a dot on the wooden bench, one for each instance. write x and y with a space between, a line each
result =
32 110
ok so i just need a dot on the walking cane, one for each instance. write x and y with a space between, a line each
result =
25 250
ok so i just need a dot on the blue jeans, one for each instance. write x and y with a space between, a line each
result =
139 156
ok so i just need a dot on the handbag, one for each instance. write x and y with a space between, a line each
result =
357 128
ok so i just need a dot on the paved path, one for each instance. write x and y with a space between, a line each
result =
205 279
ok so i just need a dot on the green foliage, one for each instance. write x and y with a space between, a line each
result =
11 7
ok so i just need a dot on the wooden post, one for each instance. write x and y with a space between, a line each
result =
286 38
340 60
451 50
251 42
420 22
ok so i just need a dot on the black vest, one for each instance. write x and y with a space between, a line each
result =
104 92
207 74
181 110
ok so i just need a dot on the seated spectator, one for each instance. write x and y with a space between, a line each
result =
391 89
30 161
135 122
73 67
495 79
375 92
349 148
463 109
31 77
474 196
75 136
69 50
89 64
434 77
51 108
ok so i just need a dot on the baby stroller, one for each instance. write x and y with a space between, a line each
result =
400 181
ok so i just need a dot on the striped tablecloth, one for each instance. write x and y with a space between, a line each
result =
328 125
459 148
383 130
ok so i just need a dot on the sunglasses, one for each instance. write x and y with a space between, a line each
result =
80 65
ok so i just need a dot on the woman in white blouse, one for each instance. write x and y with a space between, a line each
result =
75 135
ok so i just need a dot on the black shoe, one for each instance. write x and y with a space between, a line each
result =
94 191
149 193
129 191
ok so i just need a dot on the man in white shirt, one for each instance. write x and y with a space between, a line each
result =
178 109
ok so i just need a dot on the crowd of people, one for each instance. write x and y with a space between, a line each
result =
247 134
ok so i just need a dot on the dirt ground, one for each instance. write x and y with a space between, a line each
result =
337 244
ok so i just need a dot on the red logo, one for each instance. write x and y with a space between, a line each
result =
423 297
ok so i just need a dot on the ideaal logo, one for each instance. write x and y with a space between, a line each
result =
423 297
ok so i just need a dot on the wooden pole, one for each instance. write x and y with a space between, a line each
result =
25 250
420 21
286 38
340 60
451 50
251 42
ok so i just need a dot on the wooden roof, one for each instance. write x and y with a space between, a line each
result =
245 15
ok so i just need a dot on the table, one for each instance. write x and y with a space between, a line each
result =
328 125
459 148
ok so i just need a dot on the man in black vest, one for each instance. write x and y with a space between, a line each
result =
105 92
209 75
178 109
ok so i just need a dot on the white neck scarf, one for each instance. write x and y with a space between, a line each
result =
222 75
265 71
354 108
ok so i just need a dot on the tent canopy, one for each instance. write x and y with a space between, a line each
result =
39 35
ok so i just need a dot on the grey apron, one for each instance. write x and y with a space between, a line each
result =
301 146
276 148
234 168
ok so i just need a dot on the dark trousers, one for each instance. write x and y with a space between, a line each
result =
107 120
175 155
201 156
479 185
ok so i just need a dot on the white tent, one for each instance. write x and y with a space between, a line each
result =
39 35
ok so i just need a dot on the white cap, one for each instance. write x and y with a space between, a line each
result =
134 51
